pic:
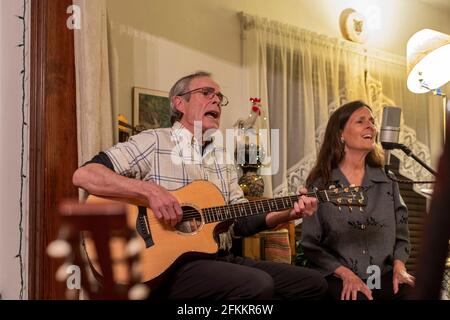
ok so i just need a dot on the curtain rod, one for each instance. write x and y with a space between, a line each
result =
250 22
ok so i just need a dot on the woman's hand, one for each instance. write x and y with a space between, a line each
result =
401 275
351 284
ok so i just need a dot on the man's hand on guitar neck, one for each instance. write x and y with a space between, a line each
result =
304 207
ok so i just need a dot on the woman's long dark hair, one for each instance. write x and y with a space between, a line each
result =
332 150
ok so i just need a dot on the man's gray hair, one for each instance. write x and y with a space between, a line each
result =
180 87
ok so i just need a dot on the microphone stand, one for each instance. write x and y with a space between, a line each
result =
409 153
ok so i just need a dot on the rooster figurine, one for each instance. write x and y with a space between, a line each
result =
255 112
248 153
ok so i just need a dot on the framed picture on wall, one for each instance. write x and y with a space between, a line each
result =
151 109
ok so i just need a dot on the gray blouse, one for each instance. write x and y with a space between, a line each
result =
354 239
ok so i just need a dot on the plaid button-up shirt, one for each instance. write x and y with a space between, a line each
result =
172 158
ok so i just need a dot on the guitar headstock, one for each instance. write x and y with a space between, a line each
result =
98 252
351 196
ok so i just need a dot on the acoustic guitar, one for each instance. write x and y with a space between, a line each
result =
204 209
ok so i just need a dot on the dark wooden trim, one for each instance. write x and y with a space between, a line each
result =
53 137
36 97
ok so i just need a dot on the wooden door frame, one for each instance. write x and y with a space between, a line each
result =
53 138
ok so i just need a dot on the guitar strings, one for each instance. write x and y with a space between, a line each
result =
192 214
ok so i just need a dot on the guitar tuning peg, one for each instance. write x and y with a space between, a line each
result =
346 189
332 186
361 209
350 208
62 274
133 248
59 249
139 292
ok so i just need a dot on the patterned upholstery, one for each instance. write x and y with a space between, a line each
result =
276 246
273 245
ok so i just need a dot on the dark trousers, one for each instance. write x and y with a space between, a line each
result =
232 278
386 291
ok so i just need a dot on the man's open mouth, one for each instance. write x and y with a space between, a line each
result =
212 114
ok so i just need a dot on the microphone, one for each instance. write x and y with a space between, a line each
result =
390 131
389 137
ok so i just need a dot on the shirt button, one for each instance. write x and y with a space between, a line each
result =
364 251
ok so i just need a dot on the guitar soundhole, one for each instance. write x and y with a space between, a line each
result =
192 220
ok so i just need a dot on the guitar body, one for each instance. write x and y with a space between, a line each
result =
204 209
169 244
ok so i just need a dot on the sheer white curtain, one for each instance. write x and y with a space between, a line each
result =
303 77
422 116
94 110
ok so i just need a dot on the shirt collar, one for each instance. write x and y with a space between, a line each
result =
376 174
183 134
180 131
372 174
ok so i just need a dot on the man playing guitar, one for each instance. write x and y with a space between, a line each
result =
158 160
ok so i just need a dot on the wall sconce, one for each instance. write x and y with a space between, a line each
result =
353 26
428 63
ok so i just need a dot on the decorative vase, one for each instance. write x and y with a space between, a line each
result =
249 157
252 184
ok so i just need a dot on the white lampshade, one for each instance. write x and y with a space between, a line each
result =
428 58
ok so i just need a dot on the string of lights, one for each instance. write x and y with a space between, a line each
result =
23 177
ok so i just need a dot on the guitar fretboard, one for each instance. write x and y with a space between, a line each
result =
222 213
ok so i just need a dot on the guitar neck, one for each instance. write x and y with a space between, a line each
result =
240 210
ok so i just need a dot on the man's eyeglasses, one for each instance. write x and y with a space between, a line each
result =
209 93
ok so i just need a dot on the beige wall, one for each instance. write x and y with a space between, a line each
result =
157 41
10 150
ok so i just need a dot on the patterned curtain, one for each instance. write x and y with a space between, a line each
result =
94 109
304 76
